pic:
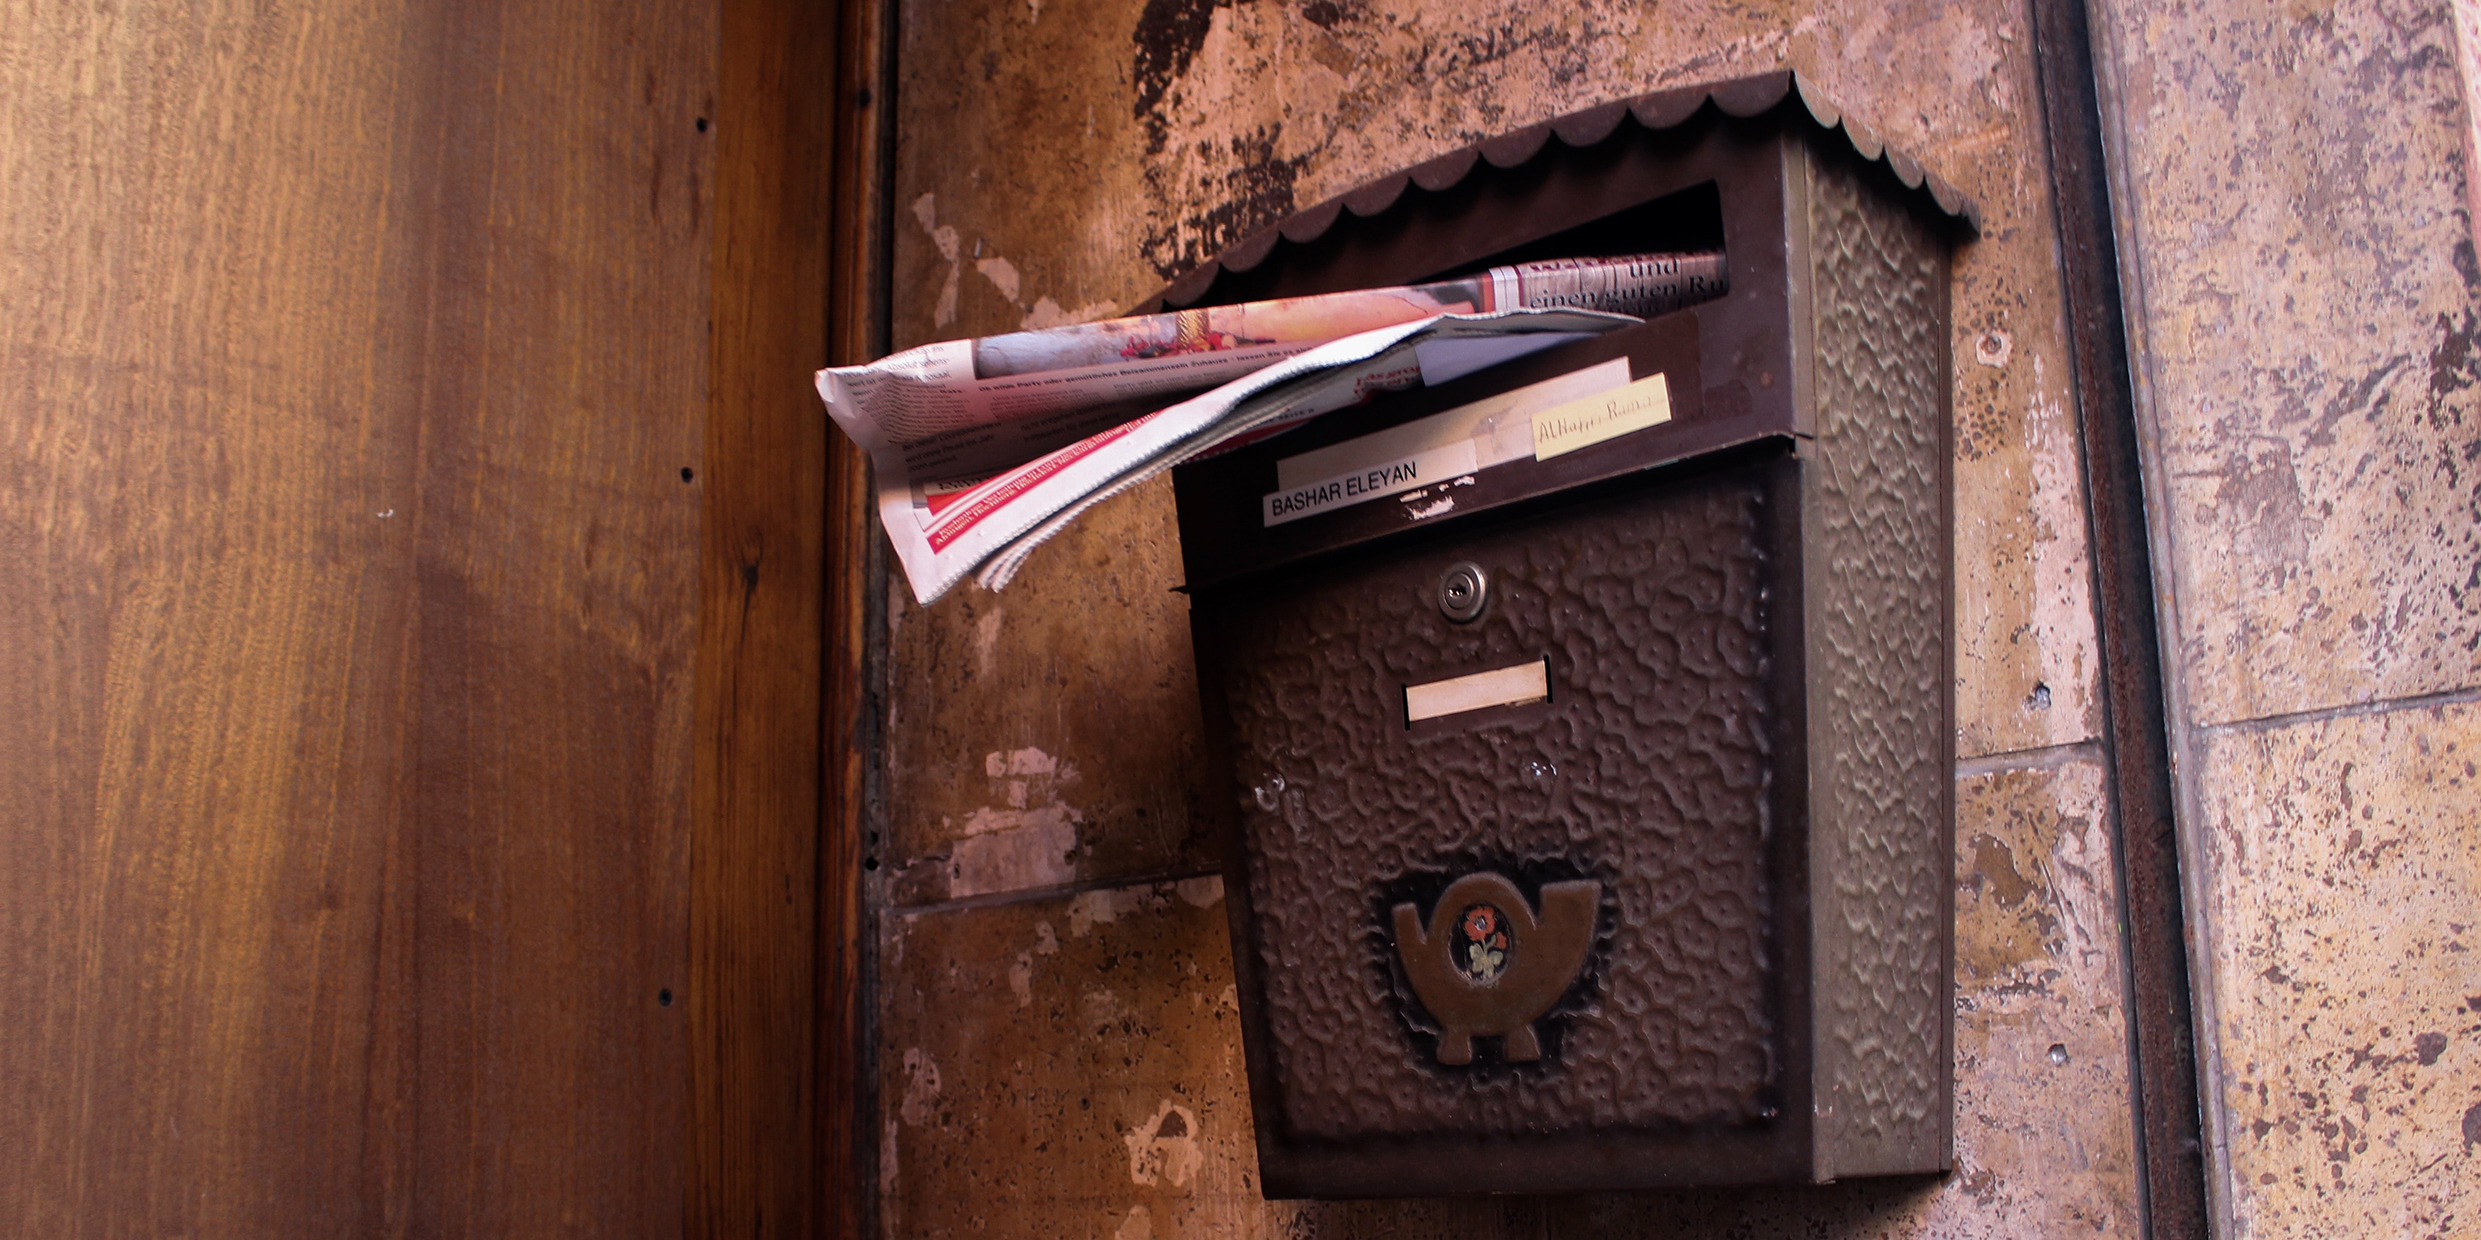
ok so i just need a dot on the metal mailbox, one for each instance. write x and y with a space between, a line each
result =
1590 816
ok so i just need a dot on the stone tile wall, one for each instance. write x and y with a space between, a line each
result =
2293 191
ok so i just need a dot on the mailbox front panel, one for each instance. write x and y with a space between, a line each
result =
1655 772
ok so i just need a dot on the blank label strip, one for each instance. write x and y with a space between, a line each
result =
1506 686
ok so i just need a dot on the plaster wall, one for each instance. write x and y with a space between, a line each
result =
1057 1045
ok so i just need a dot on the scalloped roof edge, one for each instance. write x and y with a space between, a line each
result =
1655 110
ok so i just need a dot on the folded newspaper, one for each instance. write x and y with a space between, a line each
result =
983 449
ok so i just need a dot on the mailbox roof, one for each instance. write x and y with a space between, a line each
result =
1662 109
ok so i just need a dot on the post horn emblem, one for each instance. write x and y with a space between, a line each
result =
1488 966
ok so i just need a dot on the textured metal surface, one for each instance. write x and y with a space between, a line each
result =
1878 558
1649 770
1866 361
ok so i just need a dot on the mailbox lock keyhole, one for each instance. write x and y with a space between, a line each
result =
1464 592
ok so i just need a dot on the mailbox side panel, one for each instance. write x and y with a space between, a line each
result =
1879 570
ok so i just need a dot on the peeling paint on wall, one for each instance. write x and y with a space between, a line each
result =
1021 979
2061 603
1106 905
926 212
1164 1149
921 1087
1028 840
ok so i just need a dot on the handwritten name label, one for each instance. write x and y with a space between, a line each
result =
1383 478
1607 415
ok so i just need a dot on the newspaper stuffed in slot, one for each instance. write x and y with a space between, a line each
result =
983 449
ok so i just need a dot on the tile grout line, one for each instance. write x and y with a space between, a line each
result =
2040 757
2354 710
2037 758
1029 895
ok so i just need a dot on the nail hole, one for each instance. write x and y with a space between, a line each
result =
862 97
664 997
701 124
687 473
870 863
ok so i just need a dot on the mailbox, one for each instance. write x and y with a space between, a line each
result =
1590 820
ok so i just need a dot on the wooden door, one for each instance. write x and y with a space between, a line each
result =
411 566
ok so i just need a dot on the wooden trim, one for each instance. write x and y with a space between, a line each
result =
754 857
854 570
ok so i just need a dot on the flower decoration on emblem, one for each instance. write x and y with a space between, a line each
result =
1482 947
1466 968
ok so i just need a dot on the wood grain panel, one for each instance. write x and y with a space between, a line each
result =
354 360
565 390
753 1006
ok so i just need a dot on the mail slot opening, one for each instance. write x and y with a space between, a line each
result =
1689 221
1519 685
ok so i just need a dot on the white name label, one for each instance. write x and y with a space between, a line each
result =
1370 482
1490 431
1605 415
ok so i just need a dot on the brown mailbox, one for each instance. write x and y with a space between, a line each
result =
1591 813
